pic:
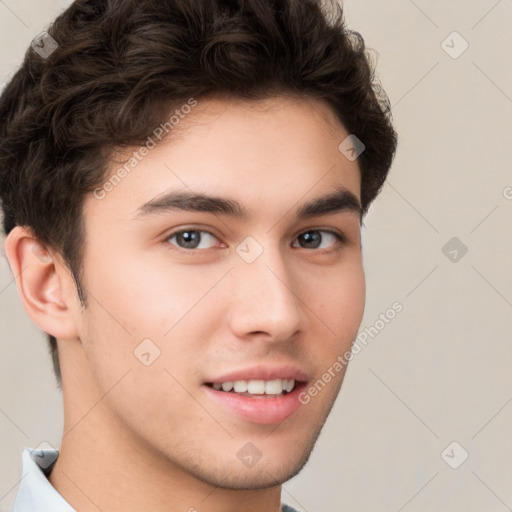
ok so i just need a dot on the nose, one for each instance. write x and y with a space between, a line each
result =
266 299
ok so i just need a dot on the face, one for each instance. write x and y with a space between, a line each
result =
189 298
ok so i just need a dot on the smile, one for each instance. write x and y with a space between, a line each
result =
256 388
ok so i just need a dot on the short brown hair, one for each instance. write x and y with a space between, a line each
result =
121 65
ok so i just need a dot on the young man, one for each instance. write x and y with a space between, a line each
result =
183 184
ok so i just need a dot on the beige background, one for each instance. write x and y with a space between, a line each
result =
440 371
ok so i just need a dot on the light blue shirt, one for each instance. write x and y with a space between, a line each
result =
37 494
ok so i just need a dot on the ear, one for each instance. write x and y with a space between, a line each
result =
40 280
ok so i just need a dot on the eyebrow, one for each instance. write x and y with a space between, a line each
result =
340 200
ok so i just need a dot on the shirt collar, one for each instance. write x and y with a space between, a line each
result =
35 492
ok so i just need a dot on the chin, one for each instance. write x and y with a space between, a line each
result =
267 472
264 477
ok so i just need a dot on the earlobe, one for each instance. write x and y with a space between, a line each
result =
39 284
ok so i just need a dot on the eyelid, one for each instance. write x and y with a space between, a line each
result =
341 240
190 228
339 235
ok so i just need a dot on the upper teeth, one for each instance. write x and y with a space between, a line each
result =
257 387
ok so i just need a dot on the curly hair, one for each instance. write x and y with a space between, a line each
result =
120 66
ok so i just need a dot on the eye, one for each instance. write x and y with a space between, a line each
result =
191 238
313 238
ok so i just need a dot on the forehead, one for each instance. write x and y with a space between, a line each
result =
268 154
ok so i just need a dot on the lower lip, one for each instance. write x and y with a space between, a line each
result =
264 411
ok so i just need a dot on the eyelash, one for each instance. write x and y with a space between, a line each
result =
341 239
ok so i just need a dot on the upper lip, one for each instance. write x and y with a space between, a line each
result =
263 372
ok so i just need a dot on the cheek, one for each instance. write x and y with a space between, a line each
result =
340 301
352 298
139 371
337 308
146 295
140 312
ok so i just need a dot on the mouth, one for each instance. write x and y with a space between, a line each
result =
263 402
256 388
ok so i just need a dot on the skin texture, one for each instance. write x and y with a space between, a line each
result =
140 437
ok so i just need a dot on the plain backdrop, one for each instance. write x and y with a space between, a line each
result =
434 384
